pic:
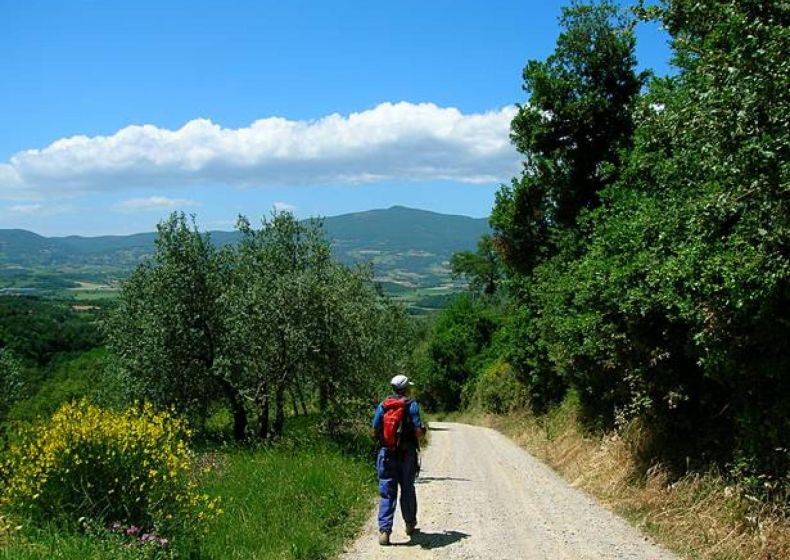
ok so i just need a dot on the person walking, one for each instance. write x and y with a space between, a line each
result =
398 428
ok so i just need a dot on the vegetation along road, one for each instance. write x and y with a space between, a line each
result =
483 497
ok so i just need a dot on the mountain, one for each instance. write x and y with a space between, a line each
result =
408 248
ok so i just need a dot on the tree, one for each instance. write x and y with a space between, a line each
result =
306 324
673 310
481 269
460 343
252 324
571 131
168 332
272 299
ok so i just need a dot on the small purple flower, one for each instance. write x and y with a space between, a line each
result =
163 542
116 526
133 530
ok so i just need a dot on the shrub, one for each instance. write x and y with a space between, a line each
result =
461 341
87 463
498 389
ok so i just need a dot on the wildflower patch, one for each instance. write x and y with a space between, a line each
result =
131 468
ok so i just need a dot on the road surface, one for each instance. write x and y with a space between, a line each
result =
483 497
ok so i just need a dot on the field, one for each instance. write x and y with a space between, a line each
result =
421 291
87 291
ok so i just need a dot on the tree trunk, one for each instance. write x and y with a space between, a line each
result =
237 409
263 411
323 397
300 394
279 414
294 404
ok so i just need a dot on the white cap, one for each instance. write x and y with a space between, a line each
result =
400 382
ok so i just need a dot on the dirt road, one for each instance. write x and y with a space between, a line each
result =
481 496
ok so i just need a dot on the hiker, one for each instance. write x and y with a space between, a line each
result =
398 428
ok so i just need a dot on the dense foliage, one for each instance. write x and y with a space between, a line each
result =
36 330
69 377
10 381
646 242
459 342
571 132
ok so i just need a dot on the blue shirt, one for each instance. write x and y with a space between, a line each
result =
414 415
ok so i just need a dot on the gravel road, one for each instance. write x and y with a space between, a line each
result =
483 497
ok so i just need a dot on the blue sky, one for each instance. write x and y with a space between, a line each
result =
357 105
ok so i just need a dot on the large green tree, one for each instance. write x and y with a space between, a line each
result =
273 299
310 326
571 130
168 331
675 311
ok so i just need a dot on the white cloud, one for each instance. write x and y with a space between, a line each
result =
38 209
154 203
283 207
392 141
26 208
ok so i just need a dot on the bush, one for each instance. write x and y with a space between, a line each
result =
498 389
87 464
69 378
461 341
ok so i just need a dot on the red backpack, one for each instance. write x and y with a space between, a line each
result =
394 412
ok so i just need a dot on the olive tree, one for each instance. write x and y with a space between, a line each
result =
168 331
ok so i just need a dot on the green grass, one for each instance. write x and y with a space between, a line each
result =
93 295
301 498
285 504
52 544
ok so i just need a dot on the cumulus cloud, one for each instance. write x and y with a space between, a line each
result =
154 203
392 141
283 207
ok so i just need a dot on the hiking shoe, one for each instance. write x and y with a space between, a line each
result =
384 538
410 528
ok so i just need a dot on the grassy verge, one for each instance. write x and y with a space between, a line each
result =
698 516
301 498
287 505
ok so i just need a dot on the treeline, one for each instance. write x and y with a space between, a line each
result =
36 330
640 260
257 327
40 342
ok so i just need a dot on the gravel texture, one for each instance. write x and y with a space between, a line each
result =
482 496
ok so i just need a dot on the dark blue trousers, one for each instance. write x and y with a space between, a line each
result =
396 468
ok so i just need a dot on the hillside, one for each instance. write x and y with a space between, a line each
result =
409 249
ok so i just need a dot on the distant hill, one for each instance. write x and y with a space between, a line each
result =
409 248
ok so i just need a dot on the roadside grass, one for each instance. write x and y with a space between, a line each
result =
286 504
300 498
699 516
49 543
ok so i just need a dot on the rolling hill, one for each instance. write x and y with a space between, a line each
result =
409 249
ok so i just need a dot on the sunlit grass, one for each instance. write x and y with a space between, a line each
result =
300 498
287 504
